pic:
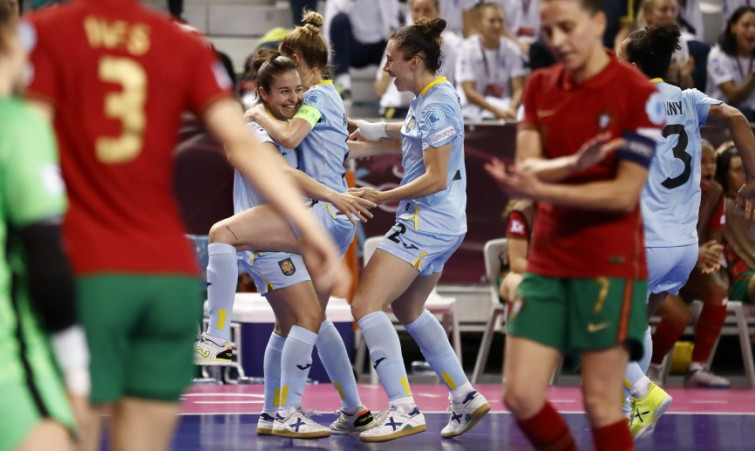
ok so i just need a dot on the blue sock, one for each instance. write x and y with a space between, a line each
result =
271 365
222 274
336 361
434 344
385 354
296 361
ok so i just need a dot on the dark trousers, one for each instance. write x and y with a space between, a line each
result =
347 51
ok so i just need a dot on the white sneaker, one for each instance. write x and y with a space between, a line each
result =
298 424
396 422
265 424
705 378
466 414
206 352
358 422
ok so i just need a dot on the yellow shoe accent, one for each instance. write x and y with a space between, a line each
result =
647 410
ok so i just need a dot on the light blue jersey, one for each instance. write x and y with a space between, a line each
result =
671 197
435 119
244 194
324 149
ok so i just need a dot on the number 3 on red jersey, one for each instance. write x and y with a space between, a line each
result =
126 106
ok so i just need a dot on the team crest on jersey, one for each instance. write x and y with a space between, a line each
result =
410 124
315 99
605 119
287 266
434 117
654 109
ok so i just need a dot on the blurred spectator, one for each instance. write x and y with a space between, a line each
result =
707 282
521 217
730 63
619 22
654 12
176 8
452 11
490 69
522 21
297 10
738 238
691 17
359 31
395 104
729 6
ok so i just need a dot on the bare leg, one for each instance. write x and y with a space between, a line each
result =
602 373
47 435
529 366
296 305
257 229
410 305
139 424
384 279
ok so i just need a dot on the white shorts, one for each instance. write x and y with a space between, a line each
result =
427 252
338 225
669 267
273 270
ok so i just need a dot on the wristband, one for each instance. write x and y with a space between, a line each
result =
72 354
371 131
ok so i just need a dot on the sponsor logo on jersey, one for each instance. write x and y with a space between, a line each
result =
448 132
287 266
654 109
605 118
517 227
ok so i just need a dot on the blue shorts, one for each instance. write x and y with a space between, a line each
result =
338 225
273 270
669 267
427 252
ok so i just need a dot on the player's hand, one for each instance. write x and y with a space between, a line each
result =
516 182
595 150
505 114
370 194
253 112
353 206
746 199
709 256
83 415
321 257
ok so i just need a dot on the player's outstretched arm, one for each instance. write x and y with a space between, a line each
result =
261 168
364 149
741 134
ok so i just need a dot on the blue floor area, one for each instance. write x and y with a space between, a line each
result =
497 431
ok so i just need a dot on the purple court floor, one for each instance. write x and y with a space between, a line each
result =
224 418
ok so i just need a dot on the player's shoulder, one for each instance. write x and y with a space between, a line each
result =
546 76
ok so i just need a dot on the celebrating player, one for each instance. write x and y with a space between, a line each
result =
430 226
116 100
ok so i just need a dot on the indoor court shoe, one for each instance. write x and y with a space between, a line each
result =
298 424
265 424
346 424
206 352
706 379
396 422
647 410
466 414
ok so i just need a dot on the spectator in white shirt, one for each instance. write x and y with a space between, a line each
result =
490 69
395 104
731 74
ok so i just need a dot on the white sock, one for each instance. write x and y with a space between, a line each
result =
222 275
385 354
296 361
335 359
271 365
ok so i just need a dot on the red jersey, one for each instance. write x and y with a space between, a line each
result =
572 242
119 77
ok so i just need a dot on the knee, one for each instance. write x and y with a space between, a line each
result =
359 309
599 407
219 234
521 402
